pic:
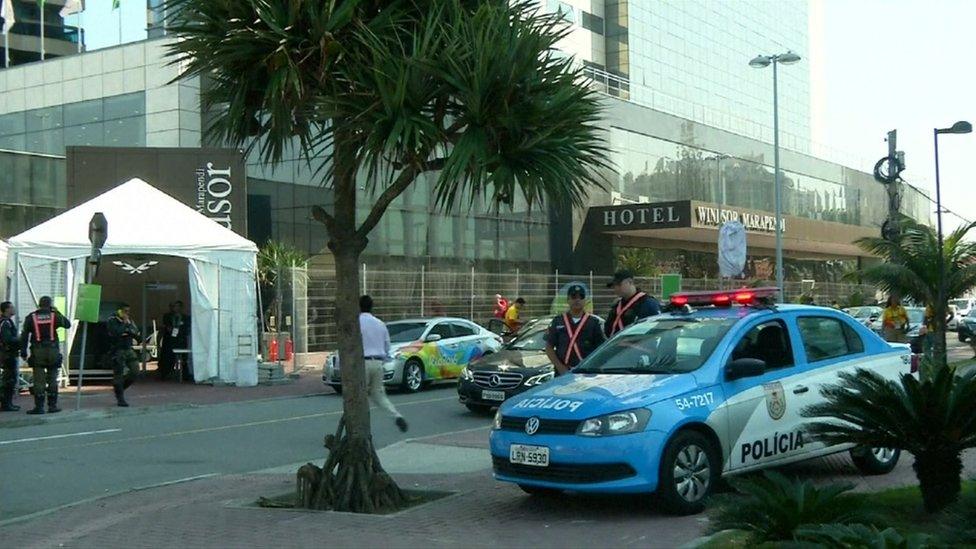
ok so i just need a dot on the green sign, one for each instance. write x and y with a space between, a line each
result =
89 299
670 284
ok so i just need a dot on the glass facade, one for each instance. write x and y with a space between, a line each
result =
116 121
32 190
662 170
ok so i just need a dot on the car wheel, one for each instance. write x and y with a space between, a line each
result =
337 389
539 491
875 461
962 337
479 409
413 376
690 468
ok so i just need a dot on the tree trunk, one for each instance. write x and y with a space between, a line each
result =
352 479
939 474
940 311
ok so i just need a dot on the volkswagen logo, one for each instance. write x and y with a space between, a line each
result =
494 380
531 425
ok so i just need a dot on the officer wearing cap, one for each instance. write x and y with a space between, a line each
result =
632 304
573 335
40 335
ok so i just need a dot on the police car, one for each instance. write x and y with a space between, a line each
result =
675 401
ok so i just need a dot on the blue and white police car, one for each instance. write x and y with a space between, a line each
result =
673 402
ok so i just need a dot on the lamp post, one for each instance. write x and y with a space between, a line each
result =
958 128
761 62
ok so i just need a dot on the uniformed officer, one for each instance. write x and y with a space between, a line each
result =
40 335
632 304
9 344
573 335
121 334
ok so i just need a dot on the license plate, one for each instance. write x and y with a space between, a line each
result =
493 395
523 454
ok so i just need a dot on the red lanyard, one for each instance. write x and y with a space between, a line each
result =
573 336
618 321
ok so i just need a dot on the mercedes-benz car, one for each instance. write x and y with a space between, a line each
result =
425 350
520 365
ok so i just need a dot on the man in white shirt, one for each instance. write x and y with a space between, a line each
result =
376 351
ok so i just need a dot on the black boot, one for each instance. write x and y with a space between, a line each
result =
7 400
120 396
52 404
38 405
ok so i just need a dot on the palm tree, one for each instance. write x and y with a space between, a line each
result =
933 418
473 93
274 259
910 268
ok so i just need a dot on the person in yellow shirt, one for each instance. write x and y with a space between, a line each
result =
512 316
894 321
928 332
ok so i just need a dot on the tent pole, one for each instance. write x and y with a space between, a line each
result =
145 304
218 319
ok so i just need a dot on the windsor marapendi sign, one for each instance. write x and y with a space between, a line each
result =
211 181
679 214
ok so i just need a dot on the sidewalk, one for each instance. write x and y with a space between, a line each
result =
98 400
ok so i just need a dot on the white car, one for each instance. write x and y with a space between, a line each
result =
962 308
426 350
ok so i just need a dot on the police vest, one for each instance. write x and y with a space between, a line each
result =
45 327
573 347
621 309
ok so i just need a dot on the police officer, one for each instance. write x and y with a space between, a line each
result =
121 334
40 335
9 344
573 335
632 304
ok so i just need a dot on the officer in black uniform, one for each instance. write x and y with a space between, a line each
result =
632 304
9 344
122 332
573 335
40 335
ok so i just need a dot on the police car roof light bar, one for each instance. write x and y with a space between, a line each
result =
742 296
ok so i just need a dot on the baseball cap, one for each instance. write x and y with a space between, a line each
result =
576 289
619 277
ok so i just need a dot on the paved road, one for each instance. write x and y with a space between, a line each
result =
55 464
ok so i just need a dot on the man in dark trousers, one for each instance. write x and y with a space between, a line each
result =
40 336
122 332
632 304
176 331
9 344
573 335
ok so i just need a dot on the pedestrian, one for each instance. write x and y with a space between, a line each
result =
632 304
501 305
376 352
40 336
176 329
928 330
894 321
513 320
9 344
573 335
122 332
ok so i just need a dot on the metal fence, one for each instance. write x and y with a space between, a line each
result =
471 294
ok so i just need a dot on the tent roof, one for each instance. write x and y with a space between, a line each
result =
141 219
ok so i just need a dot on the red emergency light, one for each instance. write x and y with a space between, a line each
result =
724 298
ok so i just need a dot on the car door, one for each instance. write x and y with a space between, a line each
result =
437 355
468 345
831 345
761 427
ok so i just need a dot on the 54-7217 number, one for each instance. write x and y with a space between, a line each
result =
694 401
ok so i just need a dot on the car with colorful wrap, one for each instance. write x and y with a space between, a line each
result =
675 401
426 350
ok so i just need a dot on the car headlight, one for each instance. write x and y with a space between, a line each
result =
466 374
541 378
496 423
617 423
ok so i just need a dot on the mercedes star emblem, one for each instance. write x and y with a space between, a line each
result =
494 380
532 425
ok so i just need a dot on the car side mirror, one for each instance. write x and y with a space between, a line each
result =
432 338
744 367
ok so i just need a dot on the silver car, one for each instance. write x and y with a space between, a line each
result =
426 350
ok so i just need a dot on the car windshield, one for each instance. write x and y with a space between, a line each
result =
532 338
915 315
865 312
403 332
960 303
669 345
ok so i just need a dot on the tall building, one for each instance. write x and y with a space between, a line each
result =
23 43
687 120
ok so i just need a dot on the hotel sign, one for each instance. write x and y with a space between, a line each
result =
710 216
660 215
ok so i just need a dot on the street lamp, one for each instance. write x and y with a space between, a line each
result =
958 128
761 62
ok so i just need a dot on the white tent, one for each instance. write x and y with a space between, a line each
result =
49 259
